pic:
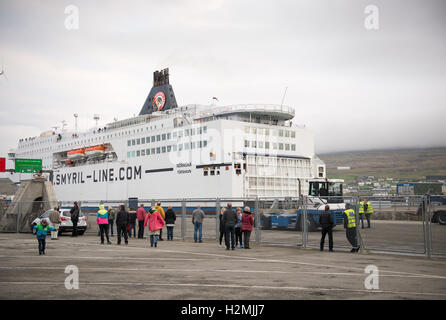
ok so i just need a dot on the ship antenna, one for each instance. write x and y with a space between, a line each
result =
283 98
75 122
96 118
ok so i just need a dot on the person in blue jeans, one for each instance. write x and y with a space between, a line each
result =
197 221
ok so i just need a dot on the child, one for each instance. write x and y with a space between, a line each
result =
41 230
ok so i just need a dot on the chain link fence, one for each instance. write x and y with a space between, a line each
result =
398 224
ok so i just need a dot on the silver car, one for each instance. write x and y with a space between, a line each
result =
66 224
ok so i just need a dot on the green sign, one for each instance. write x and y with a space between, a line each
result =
28 165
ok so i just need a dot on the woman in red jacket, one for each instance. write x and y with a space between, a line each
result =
247 223
156 223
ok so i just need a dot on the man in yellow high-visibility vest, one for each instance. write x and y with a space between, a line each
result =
368 212
361 212
350 226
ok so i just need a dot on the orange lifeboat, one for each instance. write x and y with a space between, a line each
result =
95 151
76 154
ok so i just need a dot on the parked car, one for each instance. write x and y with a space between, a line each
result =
66 224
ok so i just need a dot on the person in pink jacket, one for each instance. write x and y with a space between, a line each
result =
155 223
247 223
102 221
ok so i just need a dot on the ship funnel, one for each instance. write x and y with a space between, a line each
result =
161 96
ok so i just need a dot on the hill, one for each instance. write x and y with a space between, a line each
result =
410 165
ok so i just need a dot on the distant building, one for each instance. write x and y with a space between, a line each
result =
343 168
419 188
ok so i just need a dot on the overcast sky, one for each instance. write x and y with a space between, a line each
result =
355 88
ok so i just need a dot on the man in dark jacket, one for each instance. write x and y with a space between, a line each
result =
170 222
229 220
122 220
326 222
74 218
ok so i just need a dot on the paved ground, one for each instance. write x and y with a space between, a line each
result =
186 270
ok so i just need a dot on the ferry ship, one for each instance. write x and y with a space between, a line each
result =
173 152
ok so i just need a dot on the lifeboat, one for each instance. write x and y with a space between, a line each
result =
76 154
95 151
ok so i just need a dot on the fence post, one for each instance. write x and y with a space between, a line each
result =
257 215
304 221
217 218
183 218
428 234
17 219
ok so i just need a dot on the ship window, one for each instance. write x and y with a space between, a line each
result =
186 132
138 153
192 131
186 146
287 147
174 135
168 136
180 133
293 147
254 144
205 143
212 173
280 146
266 144
287 134
205 129
133 142
180 147
138 141
169 148
147 152
266 132
158 150
280 133
152 151
293 134
143 140
164 149
143 152
246 129
200 130
205 172
147 139
253 130
158 137
246 143
174 147
128 154
164 136
261 144
153 138
275 146
133 153
192 145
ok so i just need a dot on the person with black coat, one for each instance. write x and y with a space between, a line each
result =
326 222
132 222
74 218
170 222
222 226
229 220
122 220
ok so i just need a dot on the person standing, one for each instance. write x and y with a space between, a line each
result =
122 220
102 221
350 226
238 228
132 222
155 223
197 221
247 224
163 215
222 226
361 212
74 218
368 209
170 222
111 219
326 222
141 216
229 220
55 221
41 230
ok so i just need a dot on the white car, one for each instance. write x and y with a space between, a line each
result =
66 224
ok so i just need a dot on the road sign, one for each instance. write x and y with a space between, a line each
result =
2 164
28 165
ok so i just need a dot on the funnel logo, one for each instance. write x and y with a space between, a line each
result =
159 100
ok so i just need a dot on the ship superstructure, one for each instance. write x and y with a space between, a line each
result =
180 152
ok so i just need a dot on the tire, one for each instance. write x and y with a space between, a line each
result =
266 223
441 216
